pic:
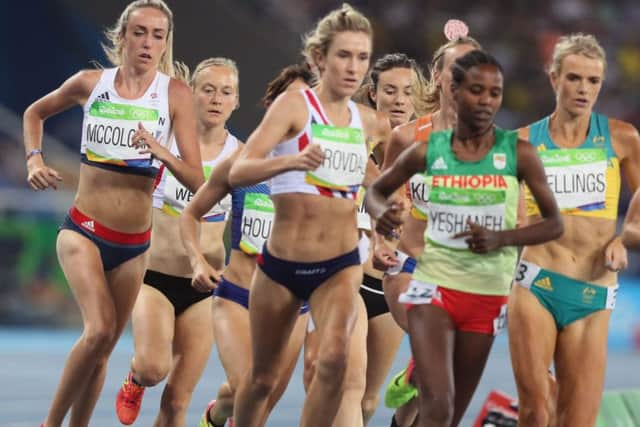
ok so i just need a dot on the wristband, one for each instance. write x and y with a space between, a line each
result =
32 153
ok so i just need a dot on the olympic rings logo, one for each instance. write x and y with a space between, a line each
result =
485 199
586 157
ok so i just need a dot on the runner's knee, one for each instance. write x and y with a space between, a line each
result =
533 414
331 364
149 371
98 337
369 405
263 384
437 407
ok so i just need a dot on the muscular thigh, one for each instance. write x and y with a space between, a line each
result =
102 296
80 261
532 336
153 324
393 286
231 326
192 345
292 353
333 304
124 284
273 311
357 362
580 359
432 338
194 328
383 339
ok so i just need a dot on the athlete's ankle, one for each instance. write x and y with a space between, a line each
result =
213 419
133 379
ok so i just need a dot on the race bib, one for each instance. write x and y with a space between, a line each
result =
364 219
345 160
257 219
418 190
526 272
176 197
500 322
109 130
577 177
364 245
612 296
419 293
450 208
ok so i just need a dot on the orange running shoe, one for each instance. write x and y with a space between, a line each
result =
129 400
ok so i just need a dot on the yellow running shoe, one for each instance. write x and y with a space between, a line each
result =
400 390
205 421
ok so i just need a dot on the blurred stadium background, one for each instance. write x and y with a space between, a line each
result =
45 41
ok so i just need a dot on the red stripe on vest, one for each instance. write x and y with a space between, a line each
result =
315 105
303 141
158 178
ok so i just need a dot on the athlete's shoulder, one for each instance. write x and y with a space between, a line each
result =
371 118
622 131
84 81
288 111
381 124
240 143
404 134
524 132
290 100
177 87
524 143
89 75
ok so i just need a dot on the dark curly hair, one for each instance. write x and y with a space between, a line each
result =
287 76
471 59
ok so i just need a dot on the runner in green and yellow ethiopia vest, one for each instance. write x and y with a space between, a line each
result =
457 298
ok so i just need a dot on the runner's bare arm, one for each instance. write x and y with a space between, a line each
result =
371 173
400 138
531 171
381 135
523 133
626 143
74 91
387 215
284 119
631 227
212 192
188 168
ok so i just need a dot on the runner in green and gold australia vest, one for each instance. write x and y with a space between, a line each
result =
566 289
457 298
